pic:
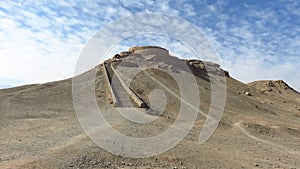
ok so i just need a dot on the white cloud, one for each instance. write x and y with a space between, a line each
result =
32 50
189 10
212 8
41 41
24 57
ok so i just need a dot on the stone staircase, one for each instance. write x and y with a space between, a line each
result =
122 97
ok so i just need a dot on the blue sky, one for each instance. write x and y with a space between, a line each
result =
42 40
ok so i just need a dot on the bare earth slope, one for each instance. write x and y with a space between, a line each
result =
39 127
276 87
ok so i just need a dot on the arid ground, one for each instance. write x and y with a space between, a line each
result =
260 126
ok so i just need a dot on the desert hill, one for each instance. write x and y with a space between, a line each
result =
260 126
278 87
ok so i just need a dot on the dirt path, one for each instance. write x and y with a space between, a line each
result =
239 127
174 94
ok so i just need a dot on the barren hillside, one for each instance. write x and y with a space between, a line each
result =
260 126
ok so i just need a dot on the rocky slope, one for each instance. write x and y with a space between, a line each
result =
278 87
260 127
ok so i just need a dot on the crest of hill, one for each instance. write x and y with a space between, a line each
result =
160 56
278 87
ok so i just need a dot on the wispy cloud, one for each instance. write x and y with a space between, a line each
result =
41 41
259 43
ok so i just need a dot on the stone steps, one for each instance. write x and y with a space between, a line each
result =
123 99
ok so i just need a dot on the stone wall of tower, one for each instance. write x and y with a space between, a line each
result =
150 50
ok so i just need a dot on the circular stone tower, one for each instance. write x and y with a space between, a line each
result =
149 50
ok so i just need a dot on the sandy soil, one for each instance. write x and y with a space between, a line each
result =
39 128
